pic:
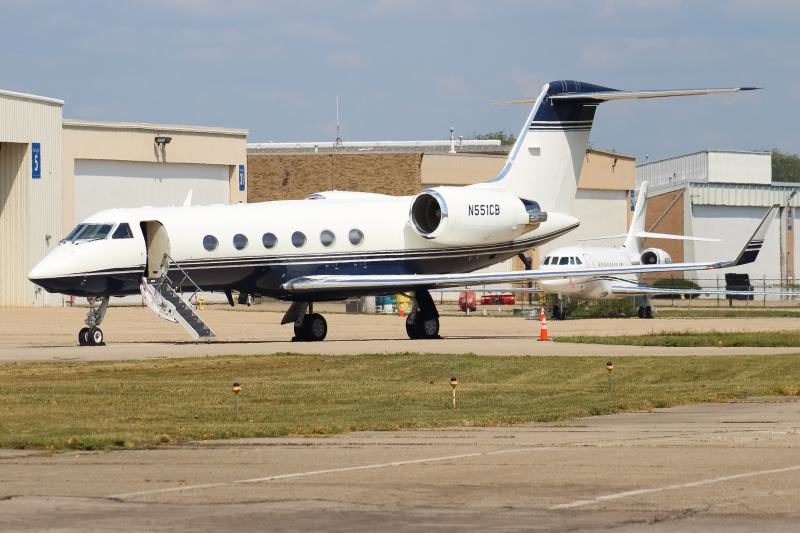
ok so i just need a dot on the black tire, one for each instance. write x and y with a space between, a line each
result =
95 336
641 312
411 329
83 337
427 329
299 331
563 313
557 312
648 312
315 327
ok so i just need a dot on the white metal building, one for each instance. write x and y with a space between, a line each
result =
722 194
30 193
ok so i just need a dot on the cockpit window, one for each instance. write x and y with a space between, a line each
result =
86 232
546 260
571 260
123 232
578 261
72 234
554 260
564 261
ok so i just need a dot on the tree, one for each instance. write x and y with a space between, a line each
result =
506 139
785 167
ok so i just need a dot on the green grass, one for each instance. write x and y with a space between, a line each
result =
141 404
691 339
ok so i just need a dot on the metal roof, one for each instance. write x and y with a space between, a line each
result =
89 124
328 147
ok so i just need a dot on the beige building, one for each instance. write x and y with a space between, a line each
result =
56 172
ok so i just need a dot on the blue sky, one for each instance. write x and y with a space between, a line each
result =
410 69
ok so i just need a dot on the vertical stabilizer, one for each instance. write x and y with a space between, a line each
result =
632 242
545 163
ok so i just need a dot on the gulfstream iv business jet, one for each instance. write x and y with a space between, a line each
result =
335 245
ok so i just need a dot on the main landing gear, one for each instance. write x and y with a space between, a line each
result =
93 335
646 310
308 325
423 320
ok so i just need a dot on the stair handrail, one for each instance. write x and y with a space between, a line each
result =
185 276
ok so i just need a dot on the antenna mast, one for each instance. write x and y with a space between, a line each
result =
338 142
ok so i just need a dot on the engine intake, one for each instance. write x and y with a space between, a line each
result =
464 215
655 256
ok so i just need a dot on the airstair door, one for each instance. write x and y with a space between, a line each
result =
157 246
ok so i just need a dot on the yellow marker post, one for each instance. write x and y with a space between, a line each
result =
609 367
200 302
236 390
453 383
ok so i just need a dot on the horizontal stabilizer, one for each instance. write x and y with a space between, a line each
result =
653 290
605 96
647 234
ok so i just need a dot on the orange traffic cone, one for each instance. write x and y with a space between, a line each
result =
402 308
543 335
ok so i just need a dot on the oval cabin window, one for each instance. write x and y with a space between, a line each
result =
269 240
239 241
298 239
327 238
356 237
210 243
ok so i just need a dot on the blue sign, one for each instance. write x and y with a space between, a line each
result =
241 177
36 151
789 215
631 199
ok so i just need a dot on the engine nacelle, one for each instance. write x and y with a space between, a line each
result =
655 256
461 215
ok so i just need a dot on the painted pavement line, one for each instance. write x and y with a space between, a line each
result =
312 473
626 494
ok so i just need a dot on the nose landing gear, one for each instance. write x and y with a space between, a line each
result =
93 335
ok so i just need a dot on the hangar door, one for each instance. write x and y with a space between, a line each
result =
101 184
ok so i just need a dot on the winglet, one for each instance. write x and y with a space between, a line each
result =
751 248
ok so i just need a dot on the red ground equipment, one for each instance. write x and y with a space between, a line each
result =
466 300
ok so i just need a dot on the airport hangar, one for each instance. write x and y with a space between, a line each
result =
56 172
722 194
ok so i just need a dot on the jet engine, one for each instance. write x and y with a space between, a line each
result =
655 256
462 215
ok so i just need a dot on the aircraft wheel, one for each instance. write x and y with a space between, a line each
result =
557 312
563 313
95 336
648 312
641 312
299 331
83 337
411 329
428 329
316 327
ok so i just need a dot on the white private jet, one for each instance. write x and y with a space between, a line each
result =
615 286
335 245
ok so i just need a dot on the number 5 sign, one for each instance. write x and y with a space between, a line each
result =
36 151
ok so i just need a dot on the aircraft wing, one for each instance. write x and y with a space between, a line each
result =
633 291
410 282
